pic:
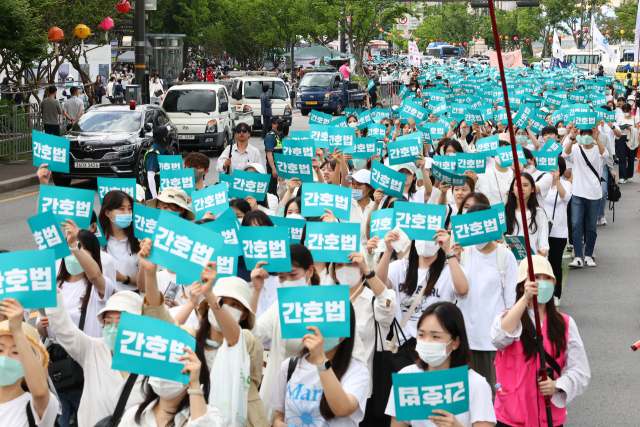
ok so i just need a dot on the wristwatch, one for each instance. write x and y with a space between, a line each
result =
197 391
451 255
370 275
126 282
325 366
75 248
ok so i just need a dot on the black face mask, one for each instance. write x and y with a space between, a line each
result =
280 127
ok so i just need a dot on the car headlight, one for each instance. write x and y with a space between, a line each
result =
212 127
287 110
298 97
327 96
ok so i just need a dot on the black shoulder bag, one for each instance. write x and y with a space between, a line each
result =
383 366
114 420
584 156
554 213
65 373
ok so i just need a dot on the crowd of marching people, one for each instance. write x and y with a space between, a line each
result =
416 305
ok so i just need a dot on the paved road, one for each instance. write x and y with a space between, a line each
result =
604 301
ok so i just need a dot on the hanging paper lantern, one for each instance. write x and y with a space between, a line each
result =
82 31
431 40
107 24
634 31
465 43
515 39
377 25
584 31
474 40
528 40
506 37
608 31
621 31
459 44
123 7
550 38
501 37
575 32
562 36
55 34
540 40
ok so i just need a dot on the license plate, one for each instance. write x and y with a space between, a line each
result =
312 103
187 136
87 165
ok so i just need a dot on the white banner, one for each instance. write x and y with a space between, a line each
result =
414 54
636 40
557 50
599 41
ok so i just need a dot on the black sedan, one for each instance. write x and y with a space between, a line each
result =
110 141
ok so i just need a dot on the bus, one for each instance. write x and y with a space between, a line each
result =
625 68
444 50
377 48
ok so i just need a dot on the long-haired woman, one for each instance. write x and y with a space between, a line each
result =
536 216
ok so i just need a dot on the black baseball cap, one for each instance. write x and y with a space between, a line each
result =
160 132
277 119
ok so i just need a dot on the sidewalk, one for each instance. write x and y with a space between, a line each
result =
14 176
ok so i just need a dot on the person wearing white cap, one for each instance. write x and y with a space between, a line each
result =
175 200
23 362
102 385
513 333
140 199
361 202
270 203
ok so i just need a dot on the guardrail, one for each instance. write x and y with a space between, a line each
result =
16 126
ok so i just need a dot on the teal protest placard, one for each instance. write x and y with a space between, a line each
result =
145 220
296 135
268 244
471 162
417 395
436 130
303 148
341 121
519 249
244 184
390 181
332 241
438 108
294 225
126 185
184 247
29 277
382 222
67 203
448 177
48 235
537 124
319 118
320 135
448 163
102 241
546 162
585 121
151 347
404 91
489 145
414 111
420 221
52 150
377 131
318 197
476 227
506 155
502 216
552 146
370 85
341 138
210 199
229 229
500 116
180 178
294 167
404 151
365 148
325 307
170 162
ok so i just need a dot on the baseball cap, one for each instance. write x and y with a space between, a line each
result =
139 193
257 166
160 132
362 176
411 167
277 119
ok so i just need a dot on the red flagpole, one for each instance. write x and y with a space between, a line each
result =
523 212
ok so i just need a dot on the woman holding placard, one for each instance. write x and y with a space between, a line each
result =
520 397
334 382
442 344
116 220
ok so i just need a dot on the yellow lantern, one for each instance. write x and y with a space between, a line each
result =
563 36
506 37
621 31
82 32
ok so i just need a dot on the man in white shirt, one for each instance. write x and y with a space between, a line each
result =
608 134
235 156
588 160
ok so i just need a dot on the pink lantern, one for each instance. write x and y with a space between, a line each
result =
515 38
575 32
107 24
459 44
634 31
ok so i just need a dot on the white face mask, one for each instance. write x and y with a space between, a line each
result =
166 389
237 314
433 353
427 248
481 245
303 281
352 124
529 169
349 276
562 131
295 216
451 154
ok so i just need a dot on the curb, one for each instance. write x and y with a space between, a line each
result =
18 183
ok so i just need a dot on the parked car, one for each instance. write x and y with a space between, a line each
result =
201 113
328 92
110 140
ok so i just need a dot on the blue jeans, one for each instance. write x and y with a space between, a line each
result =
70 400
581 209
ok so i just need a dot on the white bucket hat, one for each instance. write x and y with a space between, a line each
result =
257 166
362 176
173 195
540 266
123 301
411 167
233 287
139 193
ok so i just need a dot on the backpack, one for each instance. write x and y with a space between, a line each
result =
502 261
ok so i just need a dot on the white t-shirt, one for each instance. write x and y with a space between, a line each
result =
72 294
268 294
495 184
164 278
539 239
442 291
560 229
480 404
543 180
127 263
299 400
585 182
14 412
486 298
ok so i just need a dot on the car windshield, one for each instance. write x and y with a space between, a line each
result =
253 89
434 52
379 51
316 80
449 51
190 100
109 121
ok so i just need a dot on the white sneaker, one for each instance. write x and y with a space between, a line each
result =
629 179
589 262
602 221
622 181
556 301
577 263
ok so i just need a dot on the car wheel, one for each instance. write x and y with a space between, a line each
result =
138 171
225 143
338 110
61 181
304 112
285 131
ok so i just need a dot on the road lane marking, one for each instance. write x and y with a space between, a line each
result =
19 197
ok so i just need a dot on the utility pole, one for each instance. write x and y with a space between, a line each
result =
138 43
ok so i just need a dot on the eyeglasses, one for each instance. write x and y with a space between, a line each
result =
242 130
387 125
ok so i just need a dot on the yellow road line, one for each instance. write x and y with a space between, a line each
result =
19 197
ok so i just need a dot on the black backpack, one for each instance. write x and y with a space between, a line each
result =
613 195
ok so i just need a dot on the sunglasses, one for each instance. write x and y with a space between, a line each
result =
241 131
